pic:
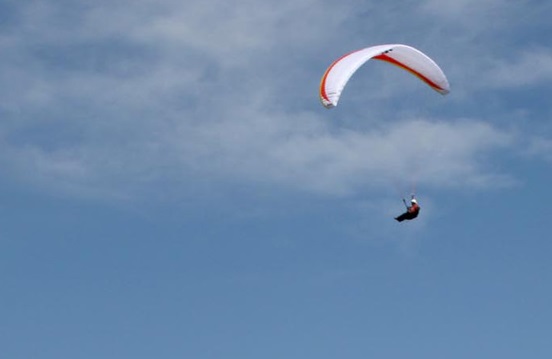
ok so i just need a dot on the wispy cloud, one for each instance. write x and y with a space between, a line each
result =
539 147
529 67
460 9
122 96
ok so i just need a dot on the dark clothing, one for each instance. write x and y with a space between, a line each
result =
411 213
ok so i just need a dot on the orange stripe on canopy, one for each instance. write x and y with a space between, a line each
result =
384 57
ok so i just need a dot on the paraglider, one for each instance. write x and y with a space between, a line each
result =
406 57
412 211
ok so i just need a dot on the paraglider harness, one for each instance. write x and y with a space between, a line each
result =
409 214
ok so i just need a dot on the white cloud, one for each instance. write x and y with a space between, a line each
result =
490 44
529 67
298 152
121 98
461 8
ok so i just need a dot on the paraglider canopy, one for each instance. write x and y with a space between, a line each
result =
408 58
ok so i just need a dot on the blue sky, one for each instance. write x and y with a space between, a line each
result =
173 188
